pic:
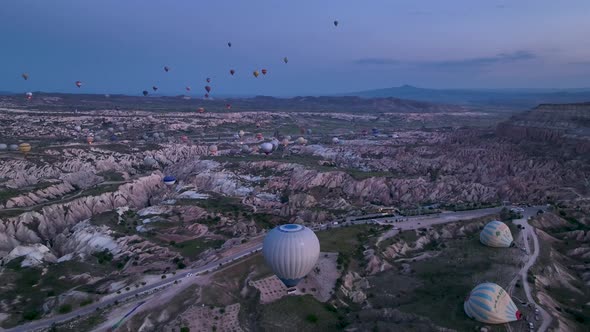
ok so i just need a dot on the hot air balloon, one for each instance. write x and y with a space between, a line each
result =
166 68
245 149
78 83
241 133
169 180
206 96
255 73
201 110
213 149
111 129
259 136
228 44
266 148
335 140
184 138
90 139
285 60
155 88
25 76
208 80
3 146
257 125
285 142
291 251
275 143
24 148
29 95
490 304
207 88
335 23
308 131
232 72
264 71
114 138
301 141
77 128
13 147
228 106
145 93
496 234
365 132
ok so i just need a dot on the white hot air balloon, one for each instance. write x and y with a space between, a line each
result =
335 140
291 251
266 148
213 149
77 128
3 146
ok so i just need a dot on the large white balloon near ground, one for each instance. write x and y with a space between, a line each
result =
496 234
489 303
266 147
291 251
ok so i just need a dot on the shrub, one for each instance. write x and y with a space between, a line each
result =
64 309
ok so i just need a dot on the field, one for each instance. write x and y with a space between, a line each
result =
436 287
298 313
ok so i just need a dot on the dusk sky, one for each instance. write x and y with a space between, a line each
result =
117 46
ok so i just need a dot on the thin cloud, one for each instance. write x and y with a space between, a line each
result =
502 58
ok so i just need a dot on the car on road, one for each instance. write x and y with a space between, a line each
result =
536 310
531 325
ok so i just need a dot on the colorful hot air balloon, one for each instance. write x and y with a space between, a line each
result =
291 251
25 76
207 88
264 71
155 88
29 95
496 234
90 139
259 136
490 304
24 148
285 60
166 68
169 180
301 141
285 142
335 23
78 83
145 93
266 148
255 73
232 72
201 110
213 149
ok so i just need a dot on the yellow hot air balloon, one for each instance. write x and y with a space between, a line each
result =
256 73
24 148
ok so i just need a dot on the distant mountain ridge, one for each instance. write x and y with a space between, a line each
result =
508 98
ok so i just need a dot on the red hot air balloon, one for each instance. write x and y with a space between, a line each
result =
201 110
264 71
208 88
78 83
259 136
232 72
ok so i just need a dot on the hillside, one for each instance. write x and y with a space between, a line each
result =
508 98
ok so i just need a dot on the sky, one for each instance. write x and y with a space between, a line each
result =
116 46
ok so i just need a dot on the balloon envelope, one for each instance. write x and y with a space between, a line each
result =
291 251
496 234
489 303
169 180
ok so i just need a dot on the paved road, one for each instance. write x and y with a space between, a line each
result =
46 323
528 233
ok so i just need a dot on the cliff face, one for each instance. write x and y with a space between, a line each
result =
552 123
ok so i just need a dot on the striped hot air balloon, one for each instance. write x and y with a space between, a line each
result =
169 180
291 251
496 234
489 303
